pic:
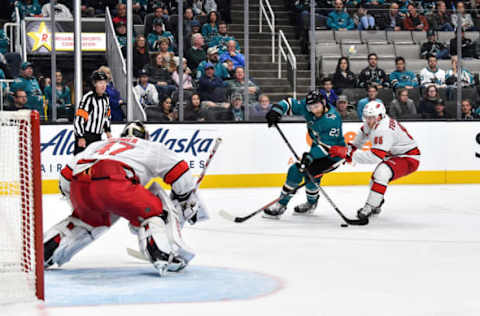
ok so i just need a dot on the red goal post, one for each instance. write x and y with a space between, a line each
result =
21 244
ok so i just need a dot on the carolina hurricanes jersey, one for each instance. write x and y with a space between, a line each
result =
389 139
146 158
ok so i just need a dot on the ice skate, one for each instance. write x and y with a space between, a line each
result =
306 208
48 250
274 211
368 211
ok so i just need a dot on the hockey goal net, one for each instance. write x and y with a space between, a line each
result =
21 249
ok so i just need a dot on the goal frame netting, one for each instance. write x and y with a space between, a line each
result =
22 184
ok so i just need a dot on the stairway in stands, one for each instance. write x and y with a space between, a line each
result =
263 72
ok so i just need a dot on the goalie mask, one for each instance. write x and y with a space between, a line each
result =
135 129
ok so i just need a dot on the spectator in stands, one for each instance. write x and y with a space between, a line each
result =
439 111
328 92
28 83
403 6
427 104
140 54
198 8
441 19
363 19
186 78
344 78
19 101
196 27
63 94
432 74
451 75
346 111
338 19
372 92
61 10
27 8
139 8
121 32
154 38
232 54
167 112
212 58
428 6
414 21
210 6
402 107
224 7
260 109
237 108
146 91
402 78
432 47
222 38
467 111
237 85
210 29
372 75
194 111
164 51
196 54
211 87
122 15
4 42
393 19
465 18
468 48
158 13
92 8
116 102
160 76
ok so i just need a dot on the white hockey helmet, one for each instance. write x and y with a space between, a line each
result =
375 109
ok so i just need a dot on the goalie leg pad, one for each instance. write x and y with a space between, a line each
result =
67 238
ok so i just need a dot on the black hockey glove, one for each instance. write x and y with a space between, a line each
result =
305 162
274 115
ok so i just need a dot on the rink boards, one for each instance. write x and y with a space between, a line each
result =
251 155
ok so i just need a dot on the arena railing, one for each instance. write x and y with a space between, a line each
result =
270 18
291 60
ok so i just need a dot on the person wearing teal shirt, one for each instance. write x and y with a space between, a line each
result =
4 85
210 29
4 41
157 34
324 125
222 38
28 83
372 92
27 8
64 97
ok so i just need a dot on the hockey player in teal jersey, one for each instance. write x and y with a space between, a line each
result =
324 125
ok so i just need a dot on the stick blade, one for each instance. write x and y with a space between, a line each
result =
227 216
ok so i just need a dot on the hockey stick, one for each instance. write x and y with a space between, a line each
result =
241 219
136 254
218 141
349 221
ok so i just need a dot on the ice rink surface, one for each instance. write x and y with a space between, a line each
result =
421 256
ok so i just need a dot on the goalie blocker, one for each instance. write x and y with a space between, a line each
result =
107 182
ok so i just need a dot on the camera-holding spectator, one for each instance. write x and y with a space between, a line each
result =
430 98
232 54
121 32
346 111
441 18
393 19
439 111
451 75
414 21
468 48
146 91
372 93
194 111
260 109
187 78
212 58
432 47
27 8
401 77
63 94
467 111
402 107
211 88
158 13
328 92
372 75
160 76
237 86
432 74
210 29
61 10
222 38
155 38
338 19
363 19
465 18
115 100
19 101
344 78
196 54
28 83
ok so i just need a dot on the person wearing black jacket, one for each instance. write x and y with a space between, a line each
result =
372 75
434 48
468 48
343 78
160 77
140 54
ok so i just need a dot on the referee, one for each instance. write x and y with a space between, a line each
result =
93 114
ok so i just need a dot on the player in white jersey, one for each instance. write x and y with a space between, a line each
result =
107 181
393 150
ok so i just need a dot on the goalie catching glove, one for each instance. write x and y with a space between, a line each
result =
188 204
344 152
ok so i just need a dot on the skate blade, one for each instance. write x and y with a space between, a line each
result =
306 214
271 216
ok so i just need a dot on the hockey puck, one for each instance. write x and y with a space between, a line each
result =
344 225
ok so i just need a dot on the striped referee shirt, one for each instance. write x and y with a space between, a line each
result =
93 115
